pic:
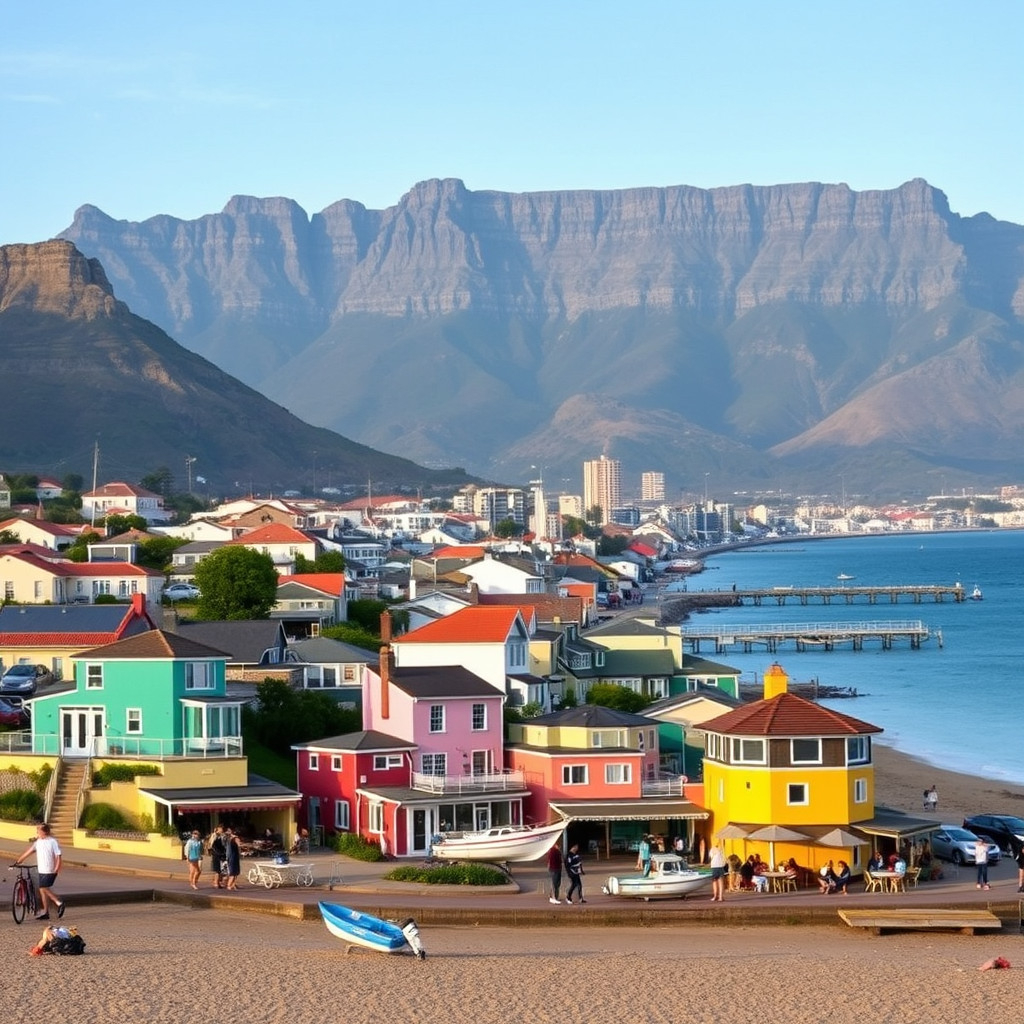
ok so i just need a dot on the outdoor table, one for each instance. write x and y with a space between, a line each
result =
777 880
892 880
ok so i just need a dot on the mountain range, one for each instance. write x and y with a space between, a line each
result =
763 337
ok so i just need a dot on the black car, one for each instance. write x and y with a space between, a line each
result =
1005 830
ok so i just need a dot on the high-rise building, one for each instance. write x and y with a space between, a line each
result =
601 485
652 486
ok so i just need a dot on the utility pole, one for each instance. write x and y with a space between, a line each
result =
189 459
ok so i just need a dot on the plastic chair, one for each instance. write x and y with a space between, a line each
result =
871 884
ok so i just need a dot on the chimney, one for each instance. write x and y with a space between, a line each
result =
775 681
139 604
385 665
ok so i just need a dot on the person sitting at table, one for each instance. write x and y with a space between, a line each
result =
827 878
876 862
891 862
792 869
300 844
735 869
755 868
747 873
841 879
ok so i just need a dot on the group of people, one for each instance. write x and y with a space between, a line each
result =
225 851
833 878
573 864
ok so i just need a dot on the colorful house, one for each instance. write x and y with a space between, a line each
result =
785 761
599 768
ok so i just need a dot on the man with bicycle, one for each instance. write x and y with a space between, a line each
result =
47 853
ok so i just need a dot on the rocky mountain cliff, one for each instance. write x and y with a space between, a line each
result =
79 367
770 335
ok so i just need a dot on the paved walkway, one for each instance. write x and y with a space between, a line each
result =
97 877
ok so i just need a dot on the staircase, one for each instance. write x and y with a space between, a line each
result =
65 801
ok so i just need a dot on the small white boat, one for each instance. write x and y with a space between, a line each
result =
511 843
845 576
670 876
976 594
362 929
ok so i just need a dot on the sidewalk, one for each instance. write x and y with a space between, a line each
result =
95 877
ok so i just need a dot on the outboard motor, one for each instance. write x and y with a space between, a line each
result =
412 935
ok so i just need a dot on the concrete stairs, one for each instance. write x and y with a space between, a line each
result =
65 800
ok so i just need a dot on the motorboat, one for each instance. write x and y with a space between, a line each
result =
670 876
845 576
503 843
976 594
362 929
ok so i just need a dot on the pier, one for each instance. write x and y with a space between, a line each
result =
820 636
845 593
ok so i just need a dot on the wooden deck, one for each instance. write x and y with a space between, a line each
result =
881 920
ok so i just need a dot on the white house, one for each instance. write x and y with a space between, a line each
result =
121 499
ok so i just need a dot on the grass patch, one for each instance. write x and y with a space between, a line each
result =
276 767
449 874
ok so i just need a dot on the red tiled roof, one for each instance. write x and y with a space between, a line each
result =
273 533
474 625
119 489
54 529
470 551
786 714
332 583
64 567
546 606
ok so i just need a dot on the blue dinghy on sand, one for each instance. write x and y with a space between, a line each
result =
363 929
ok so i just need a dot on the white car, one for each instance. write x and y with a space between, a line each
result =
181 592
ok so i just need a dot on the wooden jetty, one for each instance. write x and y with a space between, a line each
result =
847 594
806 635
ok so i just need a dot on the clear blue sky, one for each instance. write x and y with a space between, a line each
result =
144 109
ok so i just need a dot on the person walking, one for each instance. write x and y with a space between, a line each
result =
218 850
931 798
555 872
981 861
232 858
48 861
717 862
1019 859
194 856
574 869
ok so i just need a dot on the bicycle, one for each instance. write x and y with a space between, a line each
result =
25 898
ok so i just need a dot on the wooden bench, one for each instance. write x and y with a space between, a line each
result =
882 921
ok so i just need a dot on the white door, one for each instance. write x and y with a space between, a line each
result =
78 728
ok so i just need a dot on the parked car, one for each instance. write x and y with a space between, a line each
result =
1005 830
957 844
13 714
181 592
24 680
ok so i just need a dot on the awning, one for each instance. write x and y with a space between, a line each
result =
262 796
641 809
894 825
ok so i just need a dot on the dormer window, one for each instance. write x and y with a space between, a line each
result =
747 751
805 750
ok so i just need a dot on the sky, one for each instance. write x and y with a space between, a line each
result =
143 109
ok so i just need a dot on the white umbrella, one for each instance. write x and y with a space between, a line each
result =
731 831
840 837
773 834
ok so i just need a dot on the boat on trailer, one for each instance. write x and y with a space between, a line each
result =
500 844
362 929
670 877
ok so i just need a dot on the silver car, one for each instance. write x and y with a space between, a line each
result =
954 843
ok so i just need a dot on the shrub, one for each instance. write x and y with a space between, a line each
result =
449 874
106 817
108 773
21 805
356 847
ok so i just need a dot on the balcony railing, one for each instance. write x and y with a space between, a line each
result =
125 746
664 785
489 782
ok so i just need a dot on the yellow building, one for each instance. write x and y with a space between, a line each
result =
788 762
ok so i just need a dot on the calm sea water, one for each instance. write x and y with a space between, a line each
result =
958 706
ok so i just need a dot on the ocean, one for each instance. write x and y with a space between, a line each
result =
957 706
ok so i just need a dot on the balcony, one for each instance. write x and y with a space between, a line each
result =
150 748
664 785
448 785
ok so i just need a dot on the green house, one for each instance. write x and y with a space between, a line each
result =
155 695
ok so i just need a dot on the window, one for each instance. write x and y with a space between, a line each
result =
376 822
94 677
860 791
382 762
796 793
341 815
595 739
479 717
434 764
574 774
746 751
199 675
805 751
335 762
618 774
437 718
858 750
133 721
314 762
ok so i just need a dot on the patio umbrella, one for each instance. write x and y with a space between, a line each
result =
773 834
840 837
731 831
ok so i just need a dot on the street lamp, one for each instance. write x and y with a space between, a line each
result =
189 459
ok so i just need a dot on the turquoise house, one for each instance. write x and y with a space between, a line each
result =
155 695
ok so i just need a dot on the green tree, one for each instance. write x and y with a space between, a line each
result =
507 528
79 551
160 481
115 525
156 552
326 561
236 583
283 716
622 698
612 545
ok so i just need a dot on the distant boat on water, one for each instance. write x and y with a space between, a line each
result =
976 594
844 576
